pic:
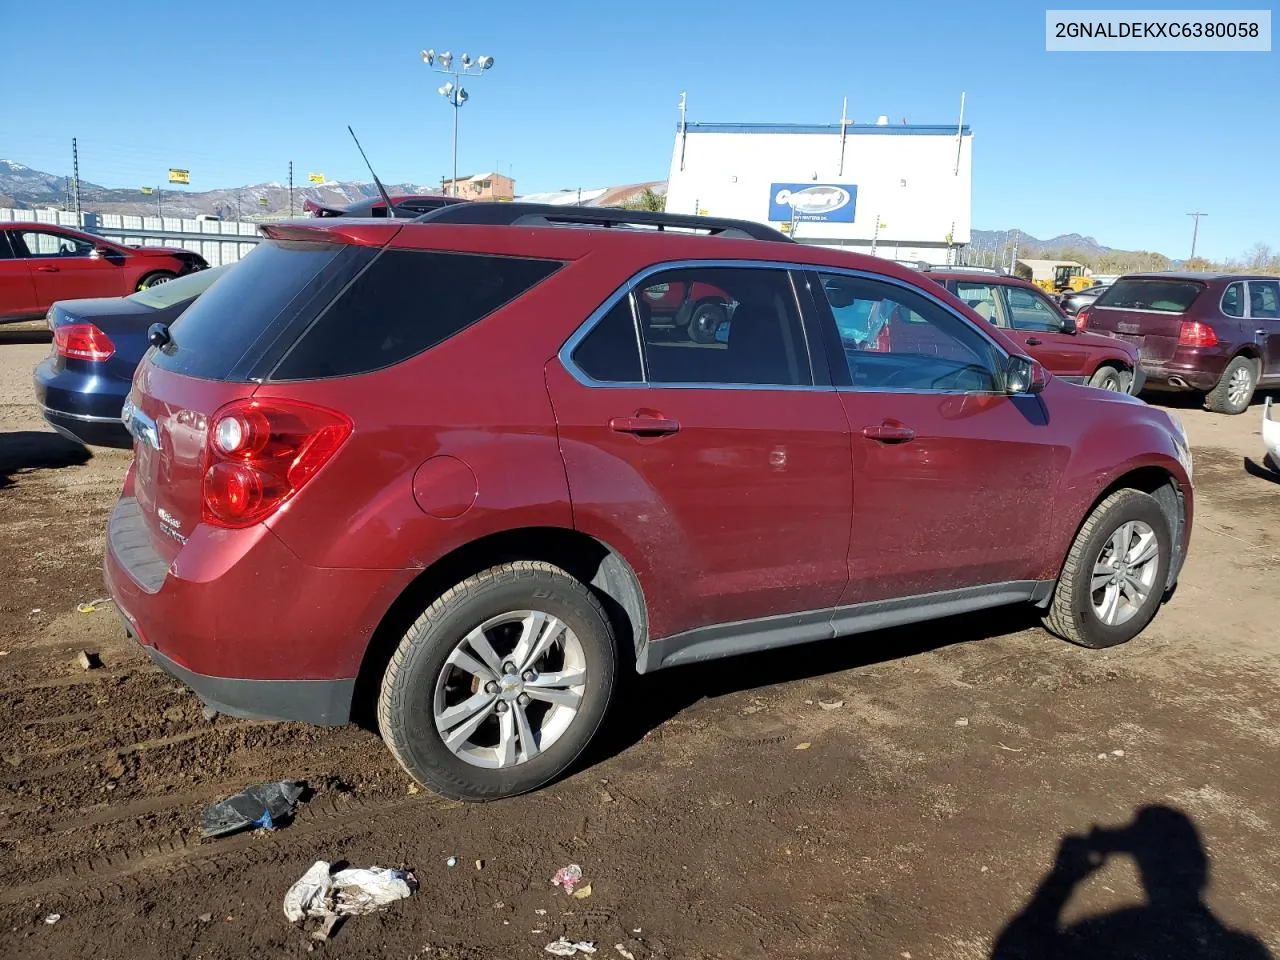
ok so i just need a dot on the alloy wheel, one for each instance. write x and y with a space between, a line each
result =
510 689
1124 573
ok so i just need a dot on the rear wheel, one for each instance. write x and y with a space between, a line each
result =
500 684
1114 577
1235 389
1108 378
154 279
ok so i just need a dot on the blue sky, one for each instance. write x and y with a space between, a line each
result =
1117 145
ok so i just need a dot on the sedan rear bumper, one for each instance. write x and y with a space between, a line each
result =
82 406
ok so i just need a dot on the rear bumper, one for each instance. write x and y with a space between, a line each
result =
83 406
242 621
1192 370
322 702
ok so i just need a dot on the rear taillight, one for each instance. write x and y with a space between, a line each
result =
260 453
82 341
1082 318
1193 333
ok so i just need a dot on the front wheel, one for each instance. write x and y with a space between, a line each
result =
154 280
1234 390
1114 577
1109 378
500 684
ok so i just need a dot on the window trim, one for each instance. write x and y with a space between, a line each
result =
832 336
565 354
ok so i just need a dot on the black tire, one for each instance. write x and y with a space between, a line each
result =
705 320
1107 377
405 706
1243 371
155 279
1071 614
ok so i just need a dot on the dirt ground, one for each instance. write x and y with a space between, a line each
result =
897 795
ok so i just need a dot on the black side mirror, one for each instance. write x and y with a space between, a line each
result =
1022 375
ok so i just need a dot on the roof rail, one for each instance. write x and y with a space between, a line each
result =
511 214
963 268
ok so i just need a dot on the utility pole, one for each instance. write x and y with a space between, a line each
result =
291 189
1195 231
75 178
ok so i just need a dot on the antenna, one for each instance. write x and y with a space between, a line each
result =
391 210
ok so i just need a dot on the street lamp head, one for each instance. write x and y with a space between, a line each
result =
428 57
446 59
466 61
485 63
446 90
462 96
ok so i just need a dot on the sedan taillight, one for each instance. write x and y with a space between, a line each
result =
1082 318
260 453
82 341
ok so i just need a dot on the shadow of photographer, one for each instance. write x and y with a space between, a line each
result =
1174 923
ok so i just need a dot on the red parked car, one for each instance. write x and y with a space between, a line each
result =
1216 334
447 466
41 263
1044 330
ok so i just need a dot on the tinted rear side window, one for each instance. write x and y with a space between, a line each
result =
1165 296
220 329
406 302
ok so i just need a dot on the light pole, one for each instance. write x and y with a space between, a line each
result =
452 90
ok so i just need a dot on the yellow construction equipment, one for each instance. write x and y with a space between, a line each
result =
1054 276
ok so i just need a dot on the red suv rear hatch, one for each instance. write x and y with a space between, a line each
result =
217 352
1147 312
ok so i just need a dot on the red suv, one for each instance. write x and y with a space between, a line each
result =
1035 322
445 465
41 263
1218 334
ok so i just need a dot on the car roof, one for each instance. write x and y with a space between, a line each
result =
1205 277
979 276
573 232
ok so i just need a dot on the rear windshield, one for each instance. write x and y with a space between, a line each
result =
1164 296
217 332
406 302
175 291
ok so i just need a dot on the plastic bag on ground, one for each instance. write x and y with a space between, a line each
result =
258 806
347 892
567 948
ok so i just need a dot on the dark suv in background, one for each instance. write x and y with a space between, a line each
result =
1218 334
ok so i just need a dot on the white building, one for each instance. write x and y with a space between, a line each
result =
903 192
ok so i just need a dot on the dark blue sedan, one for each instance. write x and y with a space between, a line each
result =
97 344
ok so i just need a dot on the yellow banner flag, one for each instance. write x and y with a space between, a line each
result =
316 177
179 176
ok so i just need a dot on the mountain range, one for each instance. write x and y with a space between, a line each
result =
25 188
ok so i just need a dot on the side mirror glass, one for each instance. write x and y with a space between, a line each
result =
99 252
1022 375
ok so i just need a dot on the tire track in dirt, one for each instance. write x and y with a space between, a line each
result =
100 876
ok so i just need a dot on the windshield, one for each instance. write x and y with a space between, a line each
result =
175 291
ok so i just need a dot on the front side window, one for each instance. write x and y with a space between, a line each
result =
1264 299
1029 311
722 325
908 343
981 298
1233 300
46 243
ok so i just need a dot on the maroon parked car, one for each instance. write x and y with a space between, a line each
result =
1218 334
41 263
446 466
1044 330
